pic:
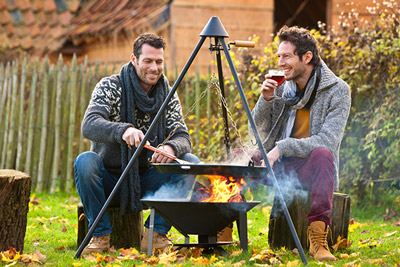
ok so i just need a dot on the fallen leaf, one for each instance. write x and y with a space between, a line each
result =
64 229
341 243
389 234
236 253
167 258
39 256
240 263
77 264
293 263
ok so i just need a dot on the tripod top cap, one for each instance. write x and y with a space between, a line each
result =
214 28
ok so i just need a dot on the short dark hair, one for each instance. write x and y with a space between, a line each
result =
150 39
303 41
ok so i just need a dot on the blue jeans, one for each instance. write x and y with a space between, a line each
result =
94 184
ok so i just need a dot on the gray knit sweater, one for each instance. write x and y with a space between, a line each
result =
328 117
103 126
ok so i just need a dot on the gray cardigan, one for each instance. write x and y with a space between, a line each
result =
328 117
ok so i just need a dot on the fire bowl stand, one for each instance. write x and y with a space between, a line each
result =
213 29
205 241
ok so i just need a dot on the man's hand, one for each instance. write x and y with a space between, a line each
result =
272 156
133 136
268 87
158 158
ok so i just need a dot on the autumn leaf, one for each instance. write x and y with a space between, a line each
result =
240 263
167 258
389 234
76 264
293 263
342 243
236 253
64 229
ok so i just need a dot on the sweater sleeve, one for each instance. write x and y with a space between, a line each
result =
180 140
102 121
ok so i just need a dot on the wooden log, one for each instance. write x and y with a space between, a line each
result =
298 203
126 230
15 189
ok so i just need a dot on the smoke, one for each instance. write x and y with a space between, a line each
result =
168 191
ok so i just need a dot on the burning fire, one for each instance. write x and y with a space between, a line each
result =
223 189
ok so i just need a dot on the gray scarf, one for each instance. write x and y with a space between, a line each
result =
300 99
133 97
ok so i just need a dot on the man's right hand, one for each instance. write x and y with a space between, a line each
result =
268 87
133 136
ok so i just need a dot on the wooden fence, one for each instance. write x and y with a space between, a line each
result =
42 106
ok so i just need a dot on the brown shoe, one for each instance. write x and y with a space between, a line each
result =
160 241
97 244
225 235
317 236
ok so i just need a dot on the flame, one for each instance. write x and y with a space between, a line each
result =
224 189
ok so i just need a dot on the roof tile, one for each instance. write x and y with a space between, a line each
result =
11 5
22 4
2 4
37 5
4 17
35 30
27 42
65 18
28 17
49 5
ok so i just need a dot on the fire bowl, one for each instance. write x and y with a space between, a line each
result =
199 218
212 169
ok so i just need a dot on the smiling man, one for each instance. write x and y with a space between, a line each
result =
119 114
303 127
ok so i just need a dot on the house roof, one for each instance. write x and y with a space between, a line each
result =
43 26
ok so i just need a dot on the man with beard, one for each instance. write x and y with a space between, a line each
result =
302 126
120 112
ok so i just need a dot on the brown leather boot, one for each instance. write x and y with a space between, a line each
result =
160 241
317 236
225 235
97 244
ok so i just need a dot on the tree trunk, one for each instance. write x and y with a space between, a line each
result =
298 203
126 230
15 189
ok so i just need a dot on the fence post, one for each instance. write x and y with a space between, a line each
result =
3 119
21 117
71 125
57 125
45 111
82 102
12 117
31 112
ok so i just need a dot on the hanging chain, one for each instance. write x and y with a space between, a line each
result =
212 82
223 100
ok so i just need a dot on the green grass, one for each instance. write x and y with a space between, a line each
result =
52 230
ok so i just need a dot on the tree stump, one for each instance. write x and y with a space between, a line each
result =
298 203
126 230
15 189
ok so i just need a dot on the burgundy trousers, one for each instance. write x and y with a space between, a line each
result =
315 174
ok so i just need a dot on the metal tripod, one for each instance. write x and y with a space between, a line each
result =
213 29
